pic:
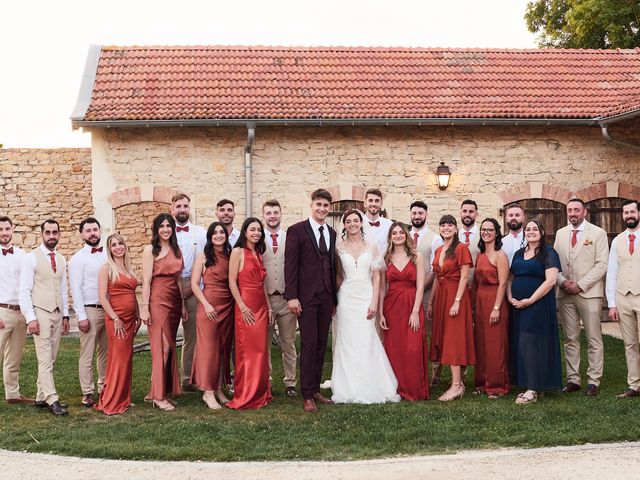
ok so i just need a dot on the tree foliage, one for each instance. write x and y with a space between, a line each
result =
585 23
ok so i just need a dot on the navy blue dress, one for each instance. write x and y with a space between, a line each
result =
534 340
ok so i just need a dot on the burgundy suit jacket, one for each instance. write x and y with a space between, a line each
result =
303 265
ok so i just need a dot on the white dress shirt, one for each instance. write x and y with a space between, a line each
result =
377 235
512 243
435 243
316 231
269 240
475 232
27 273
191 243
612 269
84 267
233 237
10 265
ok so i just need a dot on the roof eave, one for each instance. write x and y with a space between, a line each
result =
306 122
86 85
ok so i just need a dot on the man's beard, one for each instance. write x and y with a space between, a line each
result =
182 217
468 221
52 243
632 222
93 243
514 225
418 223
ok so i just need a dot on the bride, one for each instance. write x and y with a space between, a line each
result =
361 370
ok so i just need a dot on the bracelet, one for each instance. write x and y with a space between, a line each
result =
496 308
270 311
245 310
457 299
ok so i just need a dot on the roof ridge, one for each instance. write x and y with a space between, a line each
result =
344 48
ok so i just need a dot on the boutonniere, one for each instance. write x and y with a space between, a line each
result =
588 242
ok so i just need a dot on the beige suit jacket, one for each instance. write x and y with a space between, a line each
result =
586 263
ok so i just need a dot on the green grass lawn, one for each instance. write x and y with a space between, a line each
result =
282 431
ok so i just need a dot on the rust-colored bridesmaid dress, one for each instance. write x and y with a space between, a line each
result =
116 394
209 357
252 388
452 337
165 308
406 349
492 341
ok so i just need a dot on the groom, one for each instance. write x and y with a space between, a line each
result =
310 288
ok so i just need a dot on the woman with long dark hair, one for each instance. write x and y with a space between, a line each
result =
402 317
535 343
491 331
450 307
161 308
252 318
214 315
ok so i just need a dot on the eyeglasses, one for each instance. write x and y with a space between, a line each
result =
487 230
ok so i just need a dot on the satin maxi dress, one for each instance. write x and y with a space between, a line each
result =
116 394
407 350
252 387
165 308
211 357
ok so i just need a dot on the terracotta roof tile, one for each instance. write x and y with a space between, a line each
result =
200 82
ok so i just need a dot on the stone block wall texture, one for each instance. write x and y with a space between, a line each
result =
290 162
37 184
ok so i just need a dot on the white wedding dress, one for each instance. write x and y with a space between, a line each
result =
361 370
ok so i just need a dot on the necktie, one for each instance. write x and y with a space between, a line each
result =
574 238
466 237
274 240
632 237
415 239
322 244
8 251
53 261
96 249
182 229
375 224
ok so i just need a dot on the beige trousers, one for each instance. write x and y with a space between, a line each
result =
93 342
189 335
287 324
12 338
47 343
629 312
572 308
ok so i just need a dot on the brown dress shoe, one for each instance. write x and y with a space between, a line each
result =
629 392
322 399
87 400
592 390
21 399
571 387
310 405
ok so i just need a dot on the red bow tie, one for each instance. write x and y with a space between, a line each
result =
375 224
182 229
96 249
8 251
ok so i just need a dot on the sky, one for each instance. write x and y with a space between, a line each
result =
44 44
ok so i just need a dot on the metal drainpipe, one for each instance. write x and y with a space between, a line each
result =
248 153
607 136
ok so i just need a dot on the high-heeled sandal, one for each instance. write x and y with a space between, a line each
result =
211 401
530 396
450 395
167 407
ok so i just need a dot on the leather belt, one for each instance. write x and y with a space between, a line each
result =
95 305
9 306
